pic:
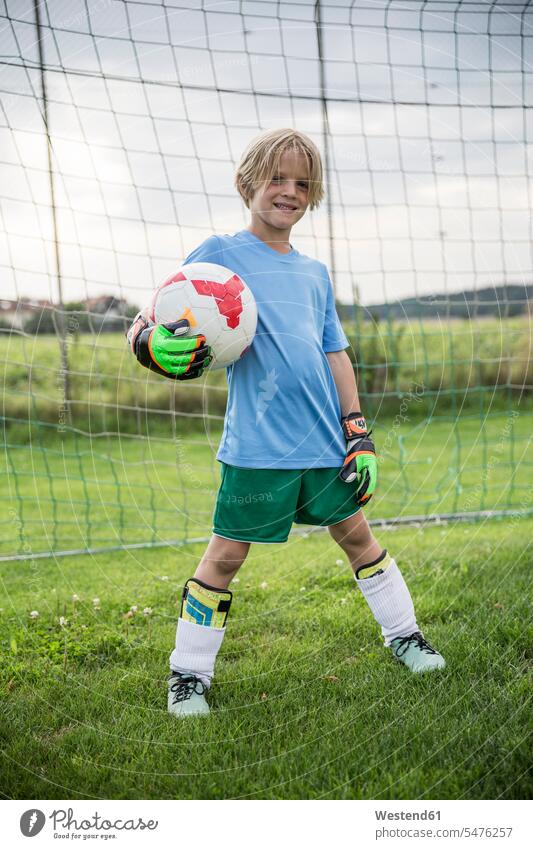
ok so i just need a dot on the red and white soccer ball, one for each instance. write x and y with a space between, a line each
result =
216 301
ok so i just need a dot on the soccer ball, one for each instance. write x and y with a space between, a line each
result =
217 303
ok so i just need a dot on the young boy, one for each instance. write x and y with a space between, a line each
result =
295 445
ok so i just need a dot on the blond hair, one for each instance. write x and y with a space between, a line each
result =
260 162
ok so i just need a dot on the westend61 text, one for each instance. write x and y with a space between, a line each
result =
407 815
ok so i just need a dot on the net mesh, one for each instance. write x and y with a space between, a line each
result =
120 127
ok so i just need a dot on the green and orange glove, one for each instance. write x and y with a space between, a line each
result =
361 462
168 349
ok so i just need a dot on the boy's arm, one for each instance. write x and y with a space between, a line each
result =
344 377
360 463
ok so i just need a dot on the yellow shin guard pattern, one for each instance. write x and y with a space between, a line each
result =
375 568
205 605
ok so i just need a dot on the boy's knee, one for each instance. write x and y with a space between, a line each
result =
350 537
229 554
360 549
360 545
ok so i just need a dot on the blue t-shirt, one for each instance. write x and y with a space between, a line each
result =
283 409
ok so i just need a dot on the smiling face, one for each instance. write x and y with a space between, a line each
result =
277 206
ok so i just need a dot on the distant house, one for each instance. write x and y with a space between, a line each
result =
107 304
104 313
108 308
15 314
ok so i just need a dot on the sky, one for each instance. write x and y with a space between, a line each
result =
151 104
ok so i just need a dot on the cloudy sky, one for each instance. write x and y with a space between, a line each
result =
150 105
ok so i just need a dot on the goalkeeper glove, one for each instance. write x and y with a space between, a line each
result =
361 462
167 349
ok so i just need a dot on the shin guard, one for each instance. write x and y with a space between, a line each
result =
375 568
205 605
200 630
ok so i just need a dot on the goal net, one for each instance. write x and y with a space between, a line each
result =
121 123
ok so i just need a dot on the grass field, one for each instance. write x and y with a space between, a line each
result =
80 491
307 703
482 365
138 464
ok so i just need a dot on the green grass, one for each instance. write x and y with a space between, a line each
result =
480 365
84 491
139 463
306 702
450 359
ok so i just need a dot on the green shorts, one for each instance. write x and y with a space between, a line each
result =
260 505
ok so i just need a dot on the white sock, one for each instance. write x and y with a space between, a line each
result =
196 649
390 601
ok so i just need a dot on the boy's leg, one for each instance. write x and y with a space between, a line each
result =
201 626
383 588
382 584
221 561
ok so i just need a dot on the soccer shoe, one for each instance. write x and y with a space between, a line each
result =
416 653
186 695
